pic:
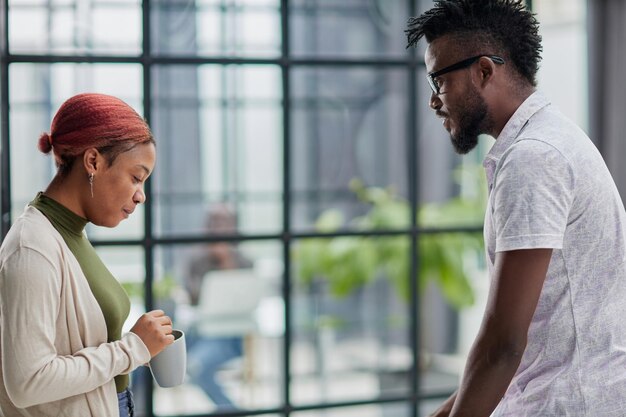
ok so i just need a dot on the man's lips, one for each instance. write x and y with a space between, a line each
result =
445 120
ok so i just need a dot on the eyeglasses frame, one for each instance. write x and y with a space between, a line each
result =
459 65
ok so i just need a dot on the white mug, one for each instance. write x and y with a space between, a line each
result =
169 366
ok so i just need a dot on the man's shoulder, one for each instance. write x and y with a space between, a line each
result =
550 128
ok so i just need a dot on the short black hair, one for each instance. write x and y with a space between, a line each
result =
506 25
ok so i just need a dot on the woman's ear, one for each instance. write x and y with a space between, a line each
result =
91 160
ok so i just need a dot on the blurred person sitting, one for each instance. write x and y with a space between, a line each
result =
207 352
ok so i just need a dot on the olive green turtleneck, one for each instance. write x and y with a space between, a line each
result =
110 295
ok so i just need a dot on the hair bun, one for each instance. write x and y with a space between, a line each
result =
45 143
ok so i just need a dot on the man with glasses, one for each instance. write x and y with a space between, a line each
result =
553 337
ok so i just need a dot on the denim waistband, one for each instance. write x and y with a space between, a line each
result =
125 401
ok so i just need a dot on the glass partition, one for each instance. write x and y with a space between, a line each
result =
227 298
348 28
220 138
237 28
348 136
75 27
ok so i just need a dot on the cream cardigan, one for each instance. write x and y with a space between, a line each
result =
54 355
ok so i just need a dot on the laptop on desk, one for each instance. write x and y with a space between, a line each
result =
227 302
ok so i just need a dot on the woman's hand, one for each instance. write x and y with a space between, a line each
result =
154 328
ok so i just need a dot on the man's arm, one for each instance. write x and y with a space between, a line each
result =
446 407
501 341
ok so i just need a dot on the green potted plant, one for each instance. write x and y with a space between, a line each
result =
347 263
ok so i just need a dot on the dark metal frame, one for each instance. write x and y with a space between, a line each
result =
149 242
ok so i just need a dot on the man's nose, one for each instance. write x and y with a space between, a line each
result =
435 103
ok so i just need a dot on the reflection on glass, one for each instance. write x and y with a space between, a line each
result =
350 322
219 130
378 410
75 27
348 28
347 124
226 296
216 27
36 92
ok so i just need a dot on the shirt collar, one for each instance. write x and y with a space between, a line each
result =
535 102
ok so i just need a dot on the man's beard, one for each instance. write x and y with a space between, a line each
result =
471 124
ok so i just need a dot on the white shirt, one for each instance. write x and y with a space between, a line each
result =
550 188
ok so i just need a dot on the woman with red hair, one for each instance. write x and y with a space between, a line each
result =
62 351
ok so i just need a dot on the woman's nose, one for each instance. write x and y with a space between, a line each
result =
139 197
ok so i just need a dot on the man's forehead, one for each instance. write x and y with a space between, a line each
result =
439 53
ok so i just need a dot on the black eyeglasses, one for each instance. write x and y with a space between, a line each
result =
459 65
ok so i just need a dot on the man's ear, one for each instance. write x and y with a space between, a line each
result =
92 160
486 69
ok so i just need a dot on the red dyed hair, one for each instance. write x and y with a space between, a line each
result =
93 121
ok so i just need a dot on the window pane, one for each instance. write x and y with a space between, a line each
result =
348 28
376 410
37 91
220 139
350 319
453 288
348 135
216 27
227 298
75 27
564 38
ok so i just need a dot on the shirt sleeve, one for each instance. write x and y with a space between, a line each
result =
32 370
533 194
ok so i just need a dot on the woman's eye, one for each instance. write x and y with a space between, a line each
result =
136 180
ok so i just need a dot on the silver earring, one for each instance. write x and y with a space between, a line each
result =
91 183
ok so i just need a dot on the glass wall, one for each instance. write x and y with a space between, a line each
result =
307 224
563 74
